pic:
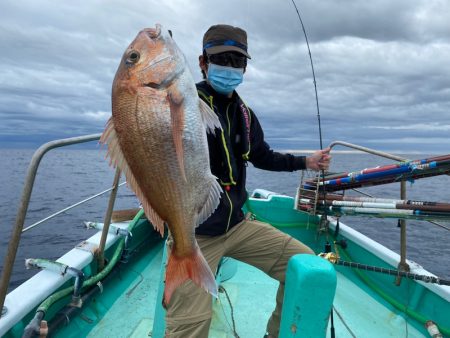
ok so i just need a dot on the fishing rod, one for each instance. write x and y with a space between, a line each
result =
376 207
431 162
428 279
334 259
317 100
313 73
391 204
332 333
367 202
390 170
378 176
420 215
309 194
340 205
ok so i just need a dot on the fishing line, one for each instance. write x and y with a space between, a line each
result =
343 322
313 73
317 98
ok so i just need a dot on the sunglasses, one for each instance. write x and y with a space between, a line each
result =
232 59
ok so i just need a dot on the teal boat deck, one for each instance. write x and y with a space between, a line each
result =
252 295
366 304
365 316
123 303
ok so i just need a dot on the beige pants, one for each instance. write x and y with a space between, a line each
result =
253 242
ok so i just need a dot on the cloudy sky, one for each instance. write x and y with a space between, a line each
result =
382 67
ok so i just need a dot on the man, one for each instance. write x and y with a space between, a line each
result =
228 232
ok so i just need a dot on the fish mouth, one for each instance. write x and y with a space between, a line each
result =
153 33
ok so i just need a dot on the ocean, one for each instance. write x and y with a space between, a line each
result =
69 175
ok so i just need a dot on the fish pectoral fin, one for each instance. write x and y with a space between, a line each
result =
209 117
115 154
212 201
193 267
117 159
177 118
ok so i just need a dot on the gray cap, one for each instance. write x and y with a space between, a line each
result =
225 38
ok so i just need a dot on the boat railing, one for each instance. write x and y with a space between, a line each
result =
18 227
403 265
31 226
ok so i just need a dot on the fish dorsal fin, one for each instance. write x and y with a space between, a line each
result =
177 118
212 202
210 119
117 158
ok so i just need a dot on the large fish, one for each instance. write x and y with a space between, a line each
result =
157 137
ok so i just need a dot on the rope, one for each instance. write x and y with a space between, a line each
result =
406 309
233 328
343 322
440 225
70 207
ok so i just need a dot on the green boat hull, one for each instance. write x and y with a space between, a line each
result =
366 304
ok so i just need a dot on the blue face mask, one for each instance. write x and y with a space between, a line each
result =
224 79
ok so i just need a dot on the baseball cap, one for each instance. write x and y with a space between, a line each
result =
225 38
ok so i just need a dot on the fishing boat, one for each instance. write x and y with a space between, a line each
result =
111 284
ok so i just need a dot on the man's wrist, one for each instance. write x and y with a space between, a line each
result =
300 162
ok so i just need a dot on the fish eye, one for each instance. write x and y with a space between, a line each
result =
133 57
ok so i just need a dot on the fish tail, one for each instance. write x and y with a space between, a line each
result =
193 267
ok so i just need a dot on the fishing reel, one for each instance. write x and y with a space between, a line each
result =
333 257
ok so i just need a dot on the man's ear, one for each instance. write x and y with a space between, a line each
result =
202 63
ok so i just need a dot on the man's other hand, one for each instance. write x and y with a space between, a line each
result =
319 160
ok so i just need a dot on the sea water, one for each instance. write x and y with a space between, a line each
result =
67 176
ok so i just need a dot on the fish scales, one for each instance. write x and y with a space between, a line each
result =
159 125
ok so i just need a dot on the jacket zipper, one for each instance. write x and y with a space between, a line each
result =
231 209
226 192
210 99
228 120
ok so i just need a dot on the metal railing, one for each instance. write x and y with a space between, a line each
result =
24 203
402 266
31 226
31 175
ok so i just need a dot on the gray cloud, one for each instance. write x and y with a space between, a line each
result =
383 75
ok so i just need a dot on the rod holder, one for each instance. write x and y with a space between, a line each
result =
61 269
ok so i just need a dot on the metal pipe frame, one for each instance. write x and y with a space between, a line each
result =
402 265
107 221
24 202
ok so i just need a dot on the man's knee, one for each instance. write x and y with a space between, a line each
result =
294 247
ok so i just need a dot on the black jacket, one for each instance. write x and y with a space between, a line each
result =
229 212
